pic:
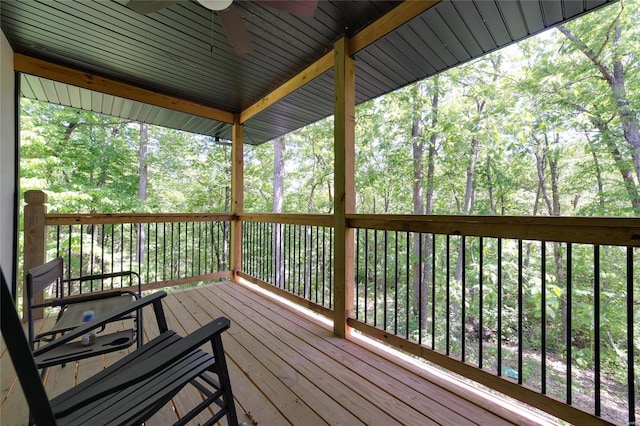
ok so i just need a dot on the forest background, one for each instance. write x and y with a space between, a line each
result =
548 126
545 127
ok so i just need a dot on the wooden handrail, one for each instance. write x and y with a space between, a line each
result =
115 218
585 230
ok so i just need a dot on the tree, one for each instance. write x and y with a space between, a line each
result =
606 49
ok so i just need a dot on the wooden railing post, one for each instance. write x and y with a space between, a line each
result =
34 242
344 199
237 198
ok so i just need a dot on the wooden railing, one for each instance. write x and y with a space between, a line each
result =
291 255
524 305
164 249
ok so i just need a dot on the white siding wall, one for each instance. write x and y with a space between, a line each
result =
7 157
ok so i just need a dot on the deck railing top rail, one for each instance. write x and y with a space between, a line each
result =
115 218
585 230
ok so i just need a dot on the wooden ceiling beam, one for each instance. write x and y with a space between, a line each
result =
322 65
74 77
389 22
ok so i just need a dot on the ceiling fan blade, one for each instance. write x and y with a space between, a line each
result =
146 7
236 30
306 8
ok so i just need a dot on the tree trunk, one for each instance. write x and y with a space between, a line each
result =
626 173
468 197
543 157
278 204
417 132
422 246
142 188
492 200
598 168
616 80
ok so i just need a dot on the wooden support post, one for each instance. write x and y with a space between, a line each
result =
344 199
237 196
34 243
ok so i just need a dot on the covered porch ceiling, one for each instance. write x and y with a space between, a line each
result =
175 67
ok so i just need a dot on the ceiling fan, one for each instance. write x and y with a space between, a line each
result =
232 22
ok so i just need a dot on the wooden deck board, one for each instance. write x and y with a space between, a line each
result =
286 368
385 385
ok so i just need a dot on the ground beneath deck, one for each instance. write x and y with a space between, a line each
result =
287 368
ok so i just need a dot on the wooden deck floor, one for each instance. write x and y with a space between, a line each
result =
287 368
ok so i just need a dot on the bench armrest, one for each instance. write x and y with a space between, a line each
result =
162 358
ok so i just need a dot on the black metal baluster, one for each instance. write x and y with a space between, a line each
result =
193 248
500 307
81 258
433 292
246 247
396 278
69 266
520 311
171 259
102 247
299 261
408 273
630 352
293 279
447 294
113 236
480 301
290 275
148 256
569 323
57 291
294 265
155 250
264 257
366 271
324 269
164 251
420 237
384 300
251 248
260 271
131 247
208 246
357 283
57 245
271 262
267 257
186 249
463 334
308 261
245 243
92 256
317 262
280 262
255 248
330 267
375 278
246 258
596 329
179 254
543 317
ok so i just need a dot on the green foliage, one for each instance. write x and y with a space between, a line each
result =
542 101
